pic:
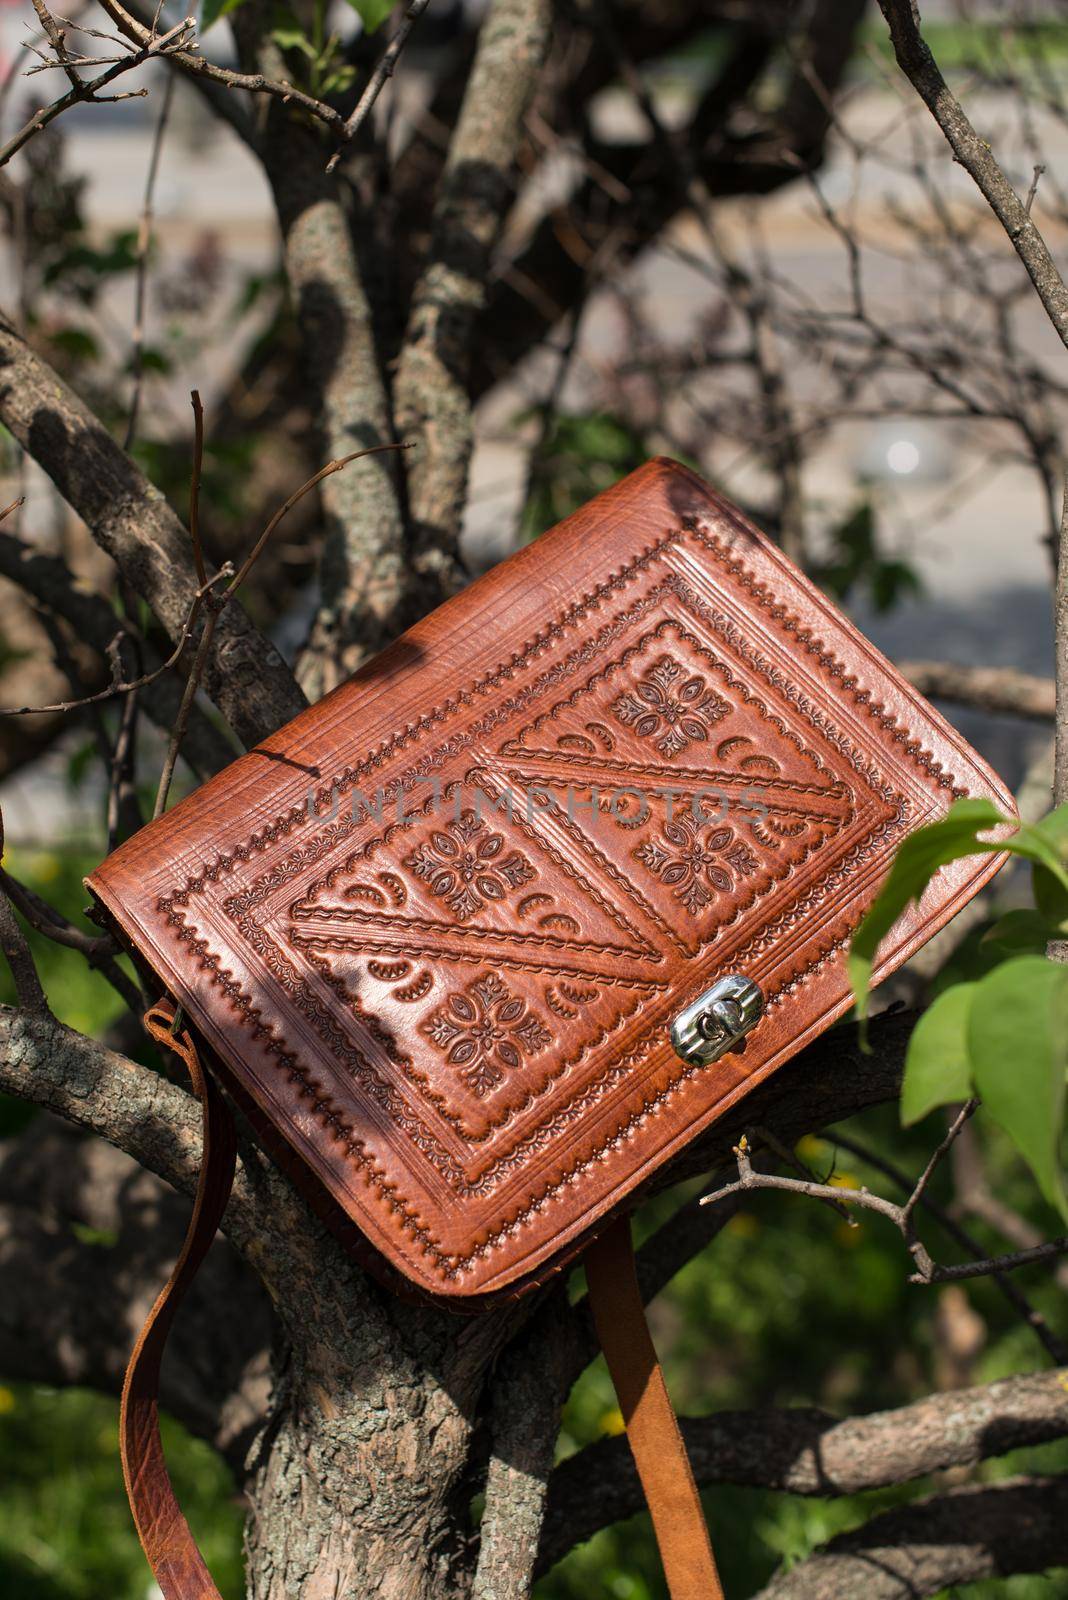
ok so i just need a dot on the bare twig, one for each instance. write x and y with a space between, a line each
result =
1004 1263
1033 190
976 157
144 242
165 44
192 684
194 485
254 82
377 81
118 686
902 1216
123 810
17 954
215 606
14 506
98 949
287 506
1051 1341
56 37
966 1111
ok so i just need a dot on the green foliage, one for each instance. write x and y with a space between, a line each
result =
954 836
1002 1033
372 13
318 58
212 10
1017 1046
578 455
939 1073
79 269
64 1525
855 563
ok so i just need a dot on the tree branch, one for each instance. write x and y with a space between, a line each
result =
255 82
81 91
809 1452
128 517
977 158
379 77
132 1107
363 571
1001 690
432 400
1028 1314
981 1531
50 581
902 1216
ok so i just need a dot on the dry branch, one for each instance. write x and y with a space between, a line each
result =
129 518
902 1216
166 44
254 82
431 394
810 1452
999 690
977 158
379 77
981 1531
48 580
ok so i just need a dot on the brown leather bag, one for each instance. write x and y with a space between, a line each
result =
487 936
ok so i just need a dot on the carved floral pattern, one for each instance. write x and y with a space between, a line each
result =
674 708
485 1031
695 863
465 865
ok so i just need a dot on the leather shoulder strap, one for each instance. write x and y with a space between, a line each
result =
652 1428
165 1535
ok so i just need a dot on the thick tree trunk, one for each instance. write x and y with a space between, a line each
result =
354 1492
361 1480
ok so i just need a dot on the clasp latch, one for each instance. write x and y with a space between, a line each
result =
717 1019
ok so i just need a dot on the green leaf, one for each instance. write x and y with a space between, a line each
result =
1018 1045
937 1071
1051 896
1017 933
928 849
76 342
372 13
293 39
214 9
918 859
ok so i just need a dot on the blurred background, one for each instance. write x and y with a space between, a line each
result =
848 349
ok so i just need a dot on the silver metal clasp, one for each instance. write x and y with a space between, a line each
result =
717 1019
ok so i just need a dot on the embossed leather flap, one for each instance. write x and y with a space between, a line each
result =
439 926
